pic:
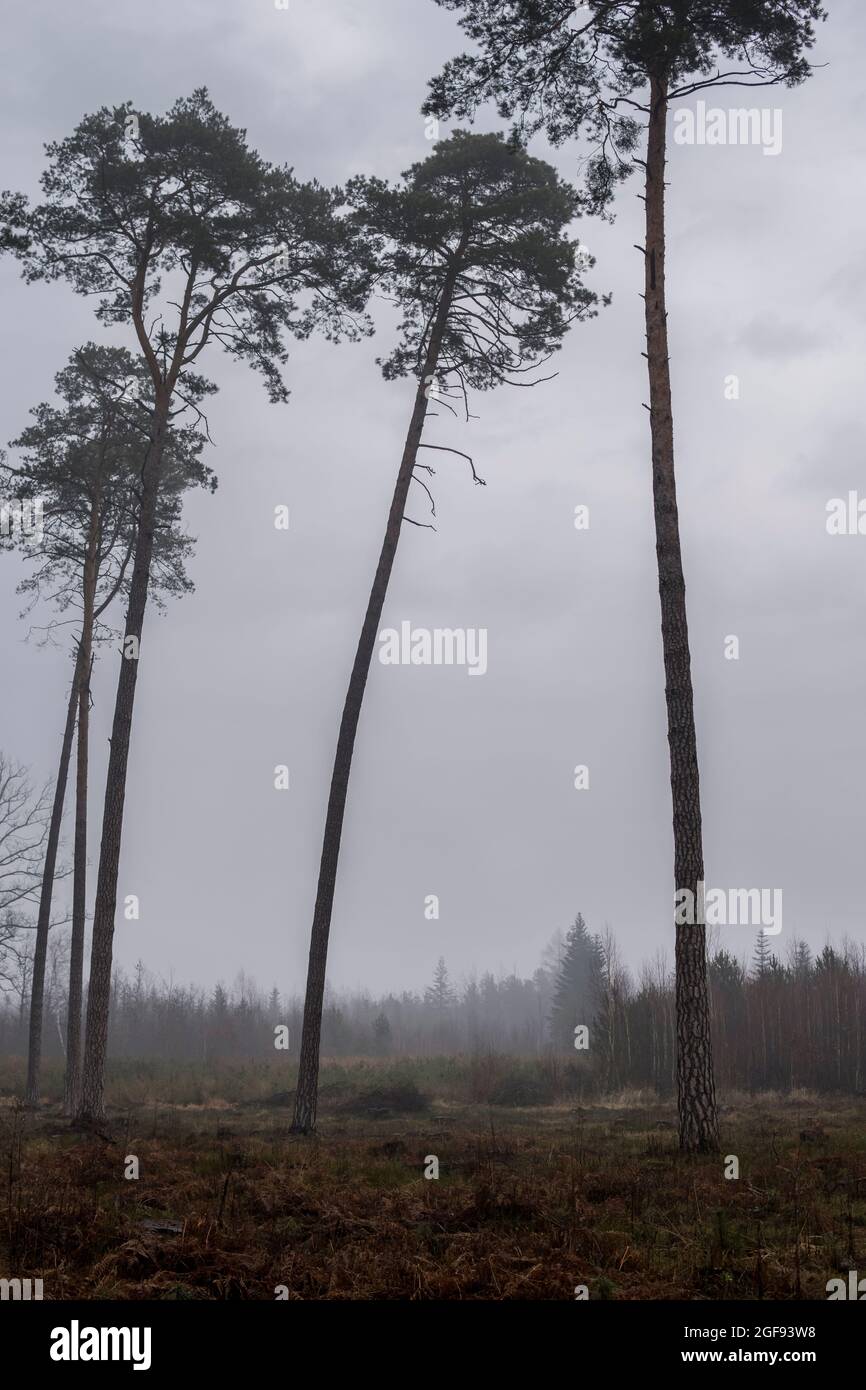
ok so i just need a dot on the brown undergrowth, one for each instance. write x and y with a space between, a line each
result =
529 1204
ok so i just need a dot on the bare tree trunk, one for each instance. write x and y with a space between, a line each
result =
91 1108
698 1124
306 1096
72 1080
72 1083
43 921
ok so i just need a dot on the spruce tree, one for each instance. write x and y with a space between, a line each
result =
578 986
440 994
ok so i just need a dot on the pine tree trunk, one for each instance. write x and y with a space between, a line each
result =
698 1124
306 1096
43 920
91 1108
72 1082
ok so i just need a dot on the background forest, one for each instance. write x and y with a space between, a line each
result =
779 1024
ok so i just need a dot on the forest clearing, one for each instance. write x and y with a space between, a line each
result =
531 1202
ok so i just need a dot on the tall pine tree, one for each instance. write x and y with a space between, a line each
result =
608 72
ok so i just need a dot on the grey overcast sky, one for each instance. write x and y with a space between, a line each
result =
464 787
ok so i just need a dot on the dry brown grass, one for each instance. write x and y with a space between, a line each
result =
529 1203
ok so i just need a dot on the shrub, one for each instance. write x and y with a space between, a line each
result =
519 1087
400 1098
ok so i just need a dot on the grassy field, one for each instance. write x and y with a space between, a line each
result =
538 1192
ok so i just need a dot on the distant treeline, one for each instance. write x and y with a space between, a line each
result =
777 1024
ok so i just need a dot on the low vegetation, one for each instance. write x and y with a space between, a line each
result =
537 1193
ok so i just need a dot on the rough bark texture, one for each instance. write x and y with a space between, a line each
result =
99 988
308 1066
43 920
72 1082
696 1097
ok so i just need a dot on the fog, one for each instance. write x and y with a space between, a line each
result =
464 788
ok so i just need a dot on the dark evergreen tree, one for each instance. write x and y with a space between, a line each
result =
578 992
440 994
726 972
801 961
381 1035
762 957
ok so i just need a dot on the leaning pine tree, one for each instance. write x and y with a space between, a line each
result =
248 255
473 248
83 459
582 70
